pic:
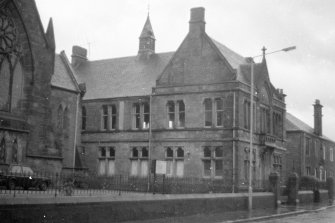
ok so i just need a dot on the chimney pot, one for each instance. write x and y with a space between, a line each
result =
79 55
197 20
318 118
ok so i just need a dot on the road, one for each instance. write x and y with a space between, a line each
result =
324 216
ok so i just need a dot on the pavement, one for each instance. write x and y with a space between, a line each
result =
257 215
285 211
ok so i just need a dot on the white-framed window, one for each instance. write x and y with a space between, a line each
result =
324 152
108 117
331 154
208 112
171 114
219 112
213 162
106 161
139 163
176 114
174 157
307 146
141 115
181 114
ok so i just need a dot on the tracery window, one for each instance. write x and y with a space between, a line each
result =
11 77
15 152
3 151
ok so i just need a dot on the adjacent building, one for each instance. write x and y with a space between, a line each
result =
309 152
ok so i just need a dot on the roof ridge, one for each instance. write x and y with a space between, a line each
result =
126 57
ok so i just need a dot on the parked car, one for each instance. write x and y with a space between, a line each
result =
22 176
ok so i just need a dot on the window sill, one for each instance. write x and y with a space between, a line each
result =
109 158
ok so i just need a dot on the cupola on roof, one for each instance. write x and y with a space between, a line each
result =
147 30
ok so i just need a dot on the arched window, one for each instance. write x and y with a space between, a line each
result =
17 87
3 151
11 79
145 152
60 117
15 152
180 152
169 152
83 118
5 80
66 119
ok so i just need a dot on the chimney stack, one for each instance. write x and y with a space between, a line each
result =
197 21
318 118
79 56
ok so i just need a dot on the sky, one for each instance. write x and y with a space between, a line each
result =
110 29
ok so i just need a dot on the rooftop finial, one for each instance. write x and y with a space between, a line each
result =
148 7
264 52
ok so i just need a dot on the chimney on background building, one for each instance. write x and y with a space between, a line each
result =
318 118
79 56
197 21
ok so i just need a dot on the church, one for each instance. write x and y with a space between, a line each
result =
39 99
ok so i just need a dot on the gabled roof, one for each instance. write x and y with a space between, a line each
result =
64 76
233 58
260 74
121 77
147 30
295 124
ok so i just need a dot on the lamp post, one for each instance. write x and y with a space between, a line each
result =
252 117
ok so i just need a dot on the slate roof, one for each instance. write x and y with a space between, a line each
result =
233 58
121 77
295 124
63 76
260 74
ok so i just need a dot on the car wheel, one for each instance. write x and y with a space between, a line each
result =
11 185
43 186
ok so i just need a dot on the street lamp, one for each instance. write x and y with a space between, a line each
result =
251 116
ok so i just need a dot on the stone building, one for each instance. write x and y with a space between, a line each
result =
190 108
309 152
34 85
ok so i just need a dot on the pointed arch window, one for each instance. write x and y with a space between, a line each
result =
15 152
60 117
12 81
3 152
66 120
5 80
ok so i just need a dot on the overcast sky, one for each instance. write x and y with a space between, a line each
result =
110 28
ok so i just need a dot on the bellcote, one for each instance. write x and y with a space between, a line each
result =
147 40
